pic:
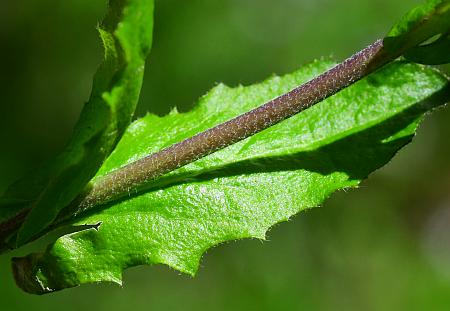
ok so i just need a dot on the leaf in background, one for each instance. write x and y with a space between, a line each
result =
242 190
419 25
126 32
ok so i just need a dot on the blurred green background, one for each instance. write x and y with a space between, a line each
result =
385 246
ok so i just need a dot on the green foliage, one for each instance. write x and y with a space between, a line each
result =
420 24
243 190
238 192
126 33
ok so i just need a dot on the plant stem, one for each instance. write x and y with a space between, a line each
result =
120 182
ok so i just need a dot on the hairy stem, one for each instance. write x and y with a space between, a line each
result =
120 182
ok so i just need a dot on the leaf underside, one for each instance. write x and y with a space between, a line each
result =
242 190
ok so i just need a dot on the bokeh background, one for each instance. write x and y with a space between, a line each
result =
385 246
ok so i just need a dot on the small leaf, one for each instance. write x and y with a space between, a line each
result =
126 33
417 26
242 190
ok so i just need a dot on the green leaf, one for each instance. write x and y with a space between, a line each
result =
242 190
126 32
419 25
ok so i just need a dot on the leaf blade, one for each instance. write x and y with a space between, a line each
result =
126 33
418 25
225 196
